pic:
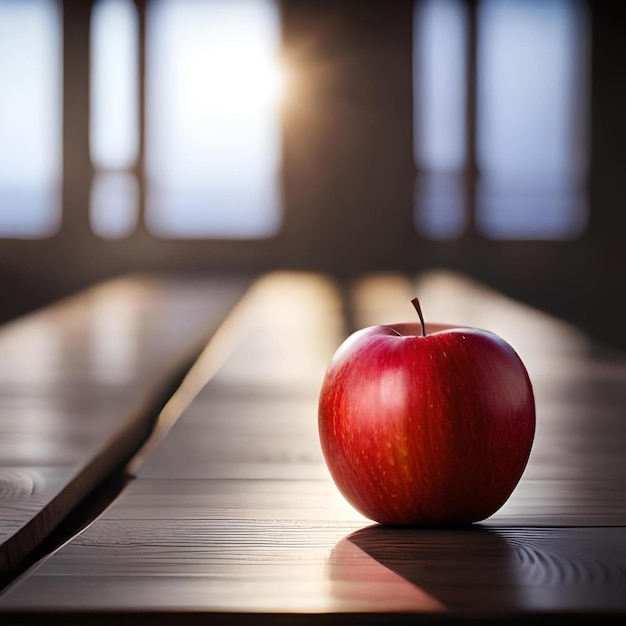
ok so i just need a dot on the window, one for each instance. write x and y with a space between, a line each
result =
30 118
213 129
439 110
212 132
531 146
114 119
530 127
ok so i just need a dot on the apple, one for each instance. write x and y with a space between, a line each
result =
426 424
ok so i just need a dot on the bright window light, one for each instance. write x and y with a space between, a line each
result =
114 133
439 114
114 204
532 86
440 206
214 85
439 85
30 118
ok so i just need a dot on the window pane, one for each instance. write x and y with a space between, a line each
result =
439 85
532 85
114 204
30 118
213 138
531 213
114 84
440 206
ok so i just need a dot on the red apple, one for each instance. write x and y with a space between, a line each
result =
426 424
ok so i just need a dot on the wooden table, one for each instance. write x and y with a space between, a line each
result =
231 515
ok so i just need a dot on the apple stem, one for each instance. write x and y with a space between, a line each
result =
416 303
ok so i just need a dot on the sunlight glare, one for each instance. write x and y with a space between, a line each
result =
234 84
214 83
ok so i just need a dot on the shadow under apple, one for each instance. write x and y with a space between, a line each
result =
469 570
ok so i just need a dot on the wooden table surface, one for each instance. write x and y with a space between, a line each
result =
231 515
81 384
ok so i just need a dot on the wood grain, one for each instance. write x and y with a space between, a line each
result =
80 385
233 517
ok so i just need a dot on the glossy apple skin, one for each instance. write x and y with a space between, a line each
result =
426 430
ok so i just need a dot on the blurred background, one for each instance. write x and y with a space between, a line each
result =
483 136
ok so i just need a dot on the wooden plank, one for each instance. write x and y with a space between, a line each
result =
250 438
24 493
80 385
258 414
233 516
